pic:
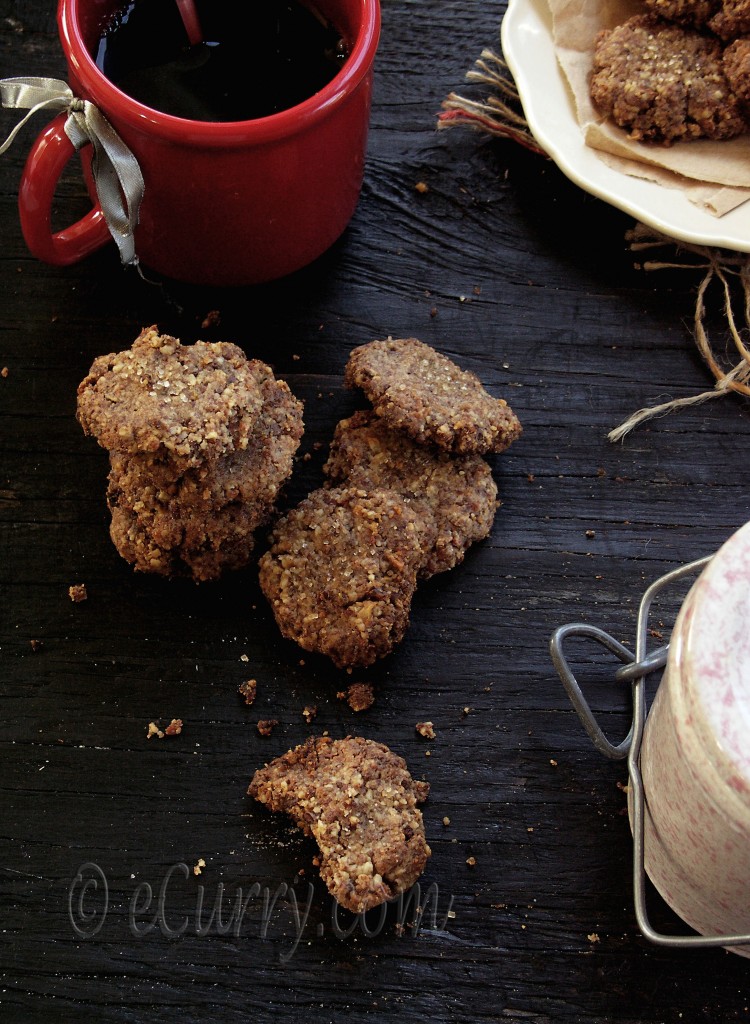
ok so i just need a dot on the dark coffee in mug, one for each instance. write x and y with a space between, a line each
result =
258 57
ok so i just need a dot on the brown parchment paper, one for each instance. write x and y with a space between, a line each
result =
713 175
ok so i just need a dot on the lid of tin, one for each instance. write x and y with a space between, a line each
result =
714 660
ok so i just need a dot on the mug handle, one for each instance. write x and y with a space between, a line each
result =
46 162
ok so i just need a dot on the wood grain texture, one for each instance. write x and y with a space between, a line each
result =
505 265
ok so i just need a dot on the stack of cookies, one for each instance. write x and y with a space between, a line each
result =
408 492
201 440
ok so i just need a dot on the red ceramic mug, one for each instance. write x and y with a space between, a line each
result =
224 203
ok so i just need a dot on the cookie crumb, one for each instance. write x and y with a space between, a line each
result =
553 762
446 821
267 725
4 372
35 644
593 937
174 728
359 696
77 593
244 657
198 868
422 187
211 319
152 729
471 861
248 690
426 729
309 712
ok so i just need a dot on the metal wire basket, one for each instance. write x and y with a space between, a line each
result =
634 670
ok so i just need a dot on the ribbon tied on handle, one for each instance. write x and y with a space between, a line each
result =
117 176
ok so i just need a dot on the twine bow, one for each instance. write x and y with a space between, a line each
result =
117 176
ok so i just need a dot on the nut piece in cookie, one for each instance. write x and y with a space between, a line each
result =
458 492
342 570
423 393
358 801
190 402
663 83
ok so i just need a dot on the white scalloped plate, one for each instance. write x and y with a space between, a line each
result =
528 49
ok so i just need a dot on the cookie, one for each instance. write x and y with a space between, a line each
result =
693 13
458 492
203 551
423 393
663 83
356 798
732 20
737 69
201 521
342 569
190 402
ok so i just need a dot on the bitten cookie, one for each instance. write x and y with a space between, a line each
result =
663 83
356 798
416 389
342 569
191 402
458 492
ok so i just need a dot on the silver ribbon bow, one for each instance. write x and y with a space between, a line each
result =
117 176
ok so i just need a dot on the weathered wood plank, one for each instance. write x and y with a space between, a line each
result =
505 265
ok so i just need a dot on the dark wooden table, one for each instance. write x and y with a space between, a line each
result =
526 280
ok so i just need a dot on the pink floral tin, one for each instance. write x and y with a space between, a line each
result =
689 756
695 757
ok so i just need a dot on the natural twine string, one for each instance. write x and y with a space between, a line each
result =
501 114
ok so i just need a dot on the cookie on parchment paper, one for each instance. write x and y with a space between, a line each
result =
732 20
663 82
356 798
693 13
458 492
418 390
736 63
